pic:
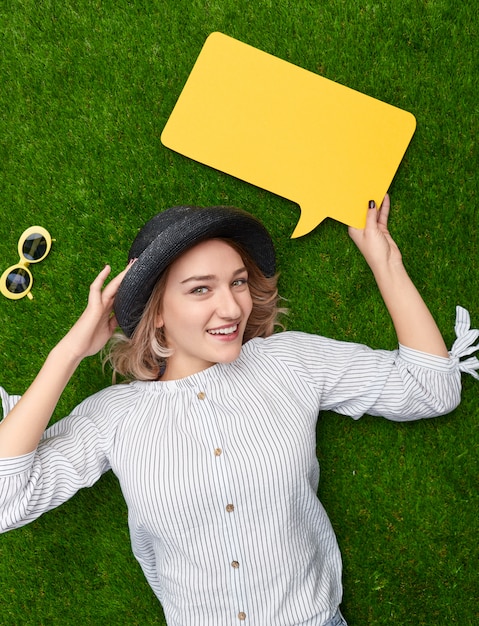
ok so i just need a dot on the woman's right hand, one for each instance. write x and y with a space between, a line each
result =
21 429
97 323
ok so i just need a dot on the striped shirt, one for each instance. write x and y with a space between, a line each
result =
220 474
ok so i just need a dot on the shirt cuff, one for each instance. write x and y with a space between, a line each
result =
424 359
463 346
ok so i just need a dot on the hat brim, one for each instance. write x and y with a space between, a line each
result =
166 236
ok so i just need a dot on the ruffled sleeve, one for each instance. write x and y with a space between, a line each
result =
8 401
465 344
73 453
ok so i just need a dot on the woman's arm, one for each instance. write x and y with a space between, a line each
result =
24 425
414 324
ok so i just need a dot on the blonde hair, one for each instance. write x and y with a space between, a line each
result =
144 355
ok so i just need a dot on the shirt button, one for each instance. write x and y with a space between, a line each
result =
230 508
201 395
235 564
242 616
218 451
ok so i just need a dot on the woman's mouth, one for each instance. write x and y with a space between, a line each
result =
225 331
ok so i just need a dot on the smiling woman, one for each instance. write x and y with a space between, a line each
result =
143 353
214 446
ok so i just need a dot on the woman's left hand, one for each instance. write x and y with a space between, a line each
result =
374 240
414 324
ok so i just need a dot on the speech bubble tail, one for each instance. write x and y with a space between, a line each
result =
351 212
308 221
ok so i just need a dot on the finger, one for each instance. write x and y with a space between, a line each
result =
111 289
384 211
371 215
115 282
105 272
97 284
102 276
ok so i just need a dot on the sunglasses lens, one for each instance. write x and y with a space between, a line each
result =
35 247
18 280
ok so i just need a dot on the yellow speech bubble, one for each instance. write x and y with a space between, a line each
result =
325 146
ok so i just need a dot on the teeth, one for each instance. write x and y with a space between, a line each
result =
224 331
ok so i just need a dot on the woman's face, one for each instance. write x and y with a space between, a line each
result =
206 304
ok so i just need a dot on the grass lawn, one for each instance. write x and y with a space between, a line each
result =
86 89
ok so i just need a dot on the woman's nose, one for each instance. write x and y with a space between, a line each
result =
227 305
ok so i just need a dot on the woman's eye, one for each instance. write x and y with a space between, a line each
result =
240 282
199 291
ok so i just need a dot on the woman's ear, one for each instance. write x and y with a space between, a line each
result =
159 320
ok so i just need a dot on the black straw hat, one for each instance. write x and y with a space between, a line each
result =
170 233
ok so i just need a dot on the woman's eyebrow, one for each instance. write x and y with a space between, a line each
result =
210 276
199 278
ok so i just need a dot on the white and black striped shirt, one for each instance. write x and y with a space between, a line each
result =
220 474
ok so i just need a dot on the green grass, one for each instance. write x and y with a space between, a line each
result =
86 89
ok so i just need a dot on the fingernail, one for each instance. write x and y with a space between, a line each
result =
372 204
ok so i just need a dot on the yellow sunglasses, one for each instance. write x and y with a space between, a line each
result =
33 247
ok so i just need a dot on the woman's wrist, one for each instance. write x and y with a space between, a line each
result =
414 324
64 355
